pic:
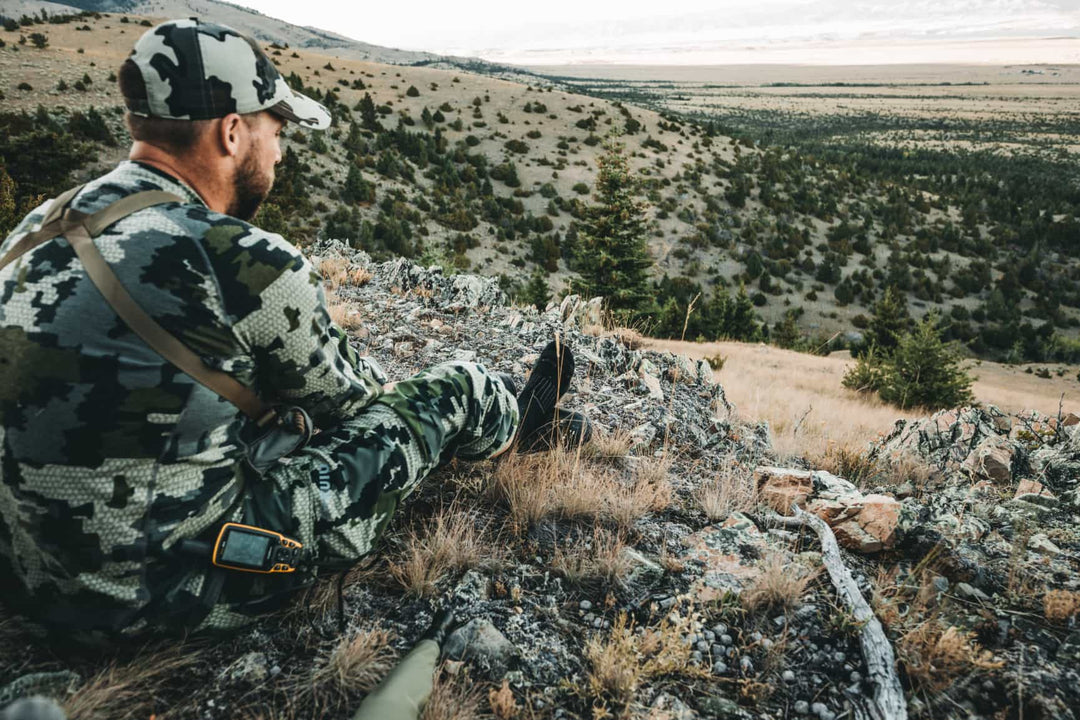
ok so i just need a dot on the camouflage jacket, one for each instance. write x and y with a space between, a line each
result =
108 453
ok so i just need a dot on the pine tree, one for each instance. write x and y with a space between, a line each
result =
356 189
613 258
536 292
890 321
8 216
924 371
368 117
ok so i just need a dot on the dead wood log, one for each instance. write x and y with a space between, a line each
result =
888 702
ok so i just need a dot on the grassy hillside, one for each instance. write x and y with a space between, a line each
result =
491 176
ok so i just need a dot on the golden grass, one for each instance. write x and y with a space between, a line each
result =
454 698
502 702
619 663
448 542
356 664
608 445
1060 605
935 657
810 412
129 690
732 490
564 484
780 586
597 563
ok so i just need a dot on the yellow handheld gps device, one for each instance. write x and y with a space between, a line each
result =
252 549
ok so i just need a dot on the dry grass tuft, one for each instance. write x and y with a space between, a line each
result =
621 662
334 271
129 690
448 542
615 667
608 446
935 658
597 563
344 314
852 465
628 338
1060 605
779 586
503 704
359 276
454 698
357 664
733 490
561 484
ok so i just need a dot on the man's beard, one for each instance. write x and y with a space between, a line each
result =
250 189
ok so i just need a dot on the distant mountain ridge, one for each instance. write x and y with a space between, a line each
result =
262 27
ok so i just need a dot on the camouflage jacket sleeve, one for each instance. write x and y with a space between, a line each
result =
362 364
300 355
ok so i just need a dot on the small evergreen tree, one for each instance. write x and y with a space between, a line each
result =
613 257
924 371
890 320
356 189
368 116
8 216
536 292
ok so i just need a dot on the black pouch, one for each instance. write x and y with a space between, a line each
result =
288 432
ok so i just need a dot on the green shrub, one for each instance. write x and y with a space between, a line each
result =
412 91
516 146
923 371
868 373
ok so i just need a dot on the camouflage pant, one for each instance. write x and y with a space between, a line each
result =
339 493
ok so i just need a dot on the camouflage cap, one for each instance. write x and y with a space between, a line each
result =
194 70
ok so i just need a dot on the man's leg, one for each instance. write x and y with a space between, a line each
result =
338 494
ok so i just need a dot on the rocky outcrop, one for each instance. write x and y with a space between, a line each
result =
865 523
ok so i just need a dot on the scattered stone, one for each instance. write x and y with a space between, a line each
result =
667 707
33 708
992 459
1039 542
783 488
479 642
250 668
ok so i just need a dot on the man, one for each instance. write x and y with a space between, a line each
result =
118 469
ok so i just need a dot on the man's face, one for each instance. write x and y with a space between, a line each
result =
254 175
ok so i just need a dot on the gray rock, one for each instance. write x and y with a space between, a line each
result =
251 667
672 708
802 707
971 593
788 676
479 642
643 573
33 708
473 588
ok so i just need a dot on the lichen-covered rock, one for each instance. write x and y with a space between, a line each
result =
991 459
729 555
480 643
784 488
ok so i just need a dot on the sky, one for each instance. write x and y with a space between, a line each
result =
679 31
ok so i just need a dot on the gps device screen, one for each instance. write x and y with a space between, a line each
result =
244 548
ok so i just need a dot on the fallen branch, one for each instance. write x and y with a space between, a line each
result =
888 702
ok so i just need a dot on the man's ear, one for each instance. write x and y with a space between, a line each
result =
229 131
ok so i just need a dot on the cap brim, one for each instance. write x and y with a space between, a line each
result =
303 111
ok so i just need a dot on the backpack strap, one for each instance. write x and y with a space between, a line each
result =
50 228
80 229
